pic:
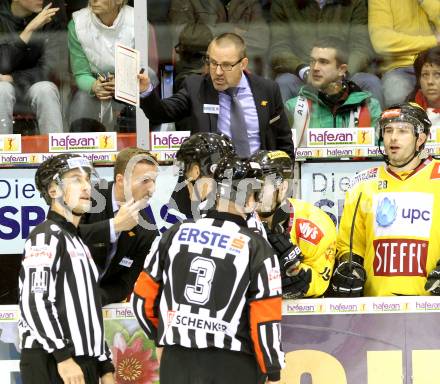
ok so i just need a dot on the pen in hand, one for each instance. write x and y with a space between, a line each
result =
102 77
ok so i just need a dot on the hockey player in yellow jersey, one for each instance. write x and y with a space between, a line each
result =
303 235
395 232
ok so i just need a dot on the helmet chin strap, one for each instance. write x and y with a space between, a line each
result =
387 159
195 189
77 214
66 207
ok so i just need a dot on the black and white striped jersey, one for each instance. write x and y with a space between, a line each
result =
213 283
59 301
183 208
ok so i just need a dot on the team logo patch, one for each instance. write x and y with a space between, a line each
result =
308 231
330 252
400 257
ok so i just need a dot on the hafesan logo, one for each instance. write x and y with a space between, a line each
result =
328 137
105 141
10 144
82 142
364 137
166 141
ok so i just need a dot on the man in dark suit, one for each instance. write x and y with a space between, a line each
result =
211 101
118 232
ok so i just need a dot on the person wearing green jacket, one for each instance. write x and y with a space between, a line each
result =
297 24
329 100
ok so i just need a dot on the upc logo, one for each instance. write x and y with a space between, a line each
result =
386 212
398 214
414 214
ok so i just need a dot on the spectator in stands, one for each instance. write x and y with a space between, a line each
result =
92 34
265 6
244 17
157 11
329 100
192 49
86 125
245 107
399 30
427 91
297 24
29 48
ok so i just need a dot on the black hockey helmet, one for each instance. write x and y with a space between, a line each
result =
277 163
237 177
206 149
55 167
409 112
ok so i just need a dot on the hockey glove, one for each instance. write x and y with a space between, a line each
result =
289 255
348 280
433 282
295 287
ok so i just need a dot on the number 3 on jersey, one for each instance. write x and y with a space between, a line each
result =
199 292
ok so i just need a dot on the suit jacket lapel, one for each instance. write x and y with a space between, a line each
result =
211 97
108 201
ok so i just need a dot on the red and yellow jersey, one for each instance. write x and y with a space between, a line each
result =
396 229
315 234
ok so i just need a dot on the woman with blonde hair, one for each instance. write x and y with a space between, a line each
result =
93 33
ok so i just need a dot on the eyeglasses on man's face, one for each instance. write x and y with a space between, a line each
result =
224 66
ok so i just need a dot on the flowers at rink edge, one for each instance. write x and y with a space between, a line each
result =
133 364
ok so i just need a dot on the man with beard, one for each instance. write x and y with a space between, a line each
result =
388 241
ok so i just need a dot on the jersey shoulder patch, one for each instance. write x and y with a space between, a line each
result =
366 175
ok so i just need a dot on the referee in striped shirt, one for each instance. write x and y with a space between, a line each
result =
61 326
211 292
